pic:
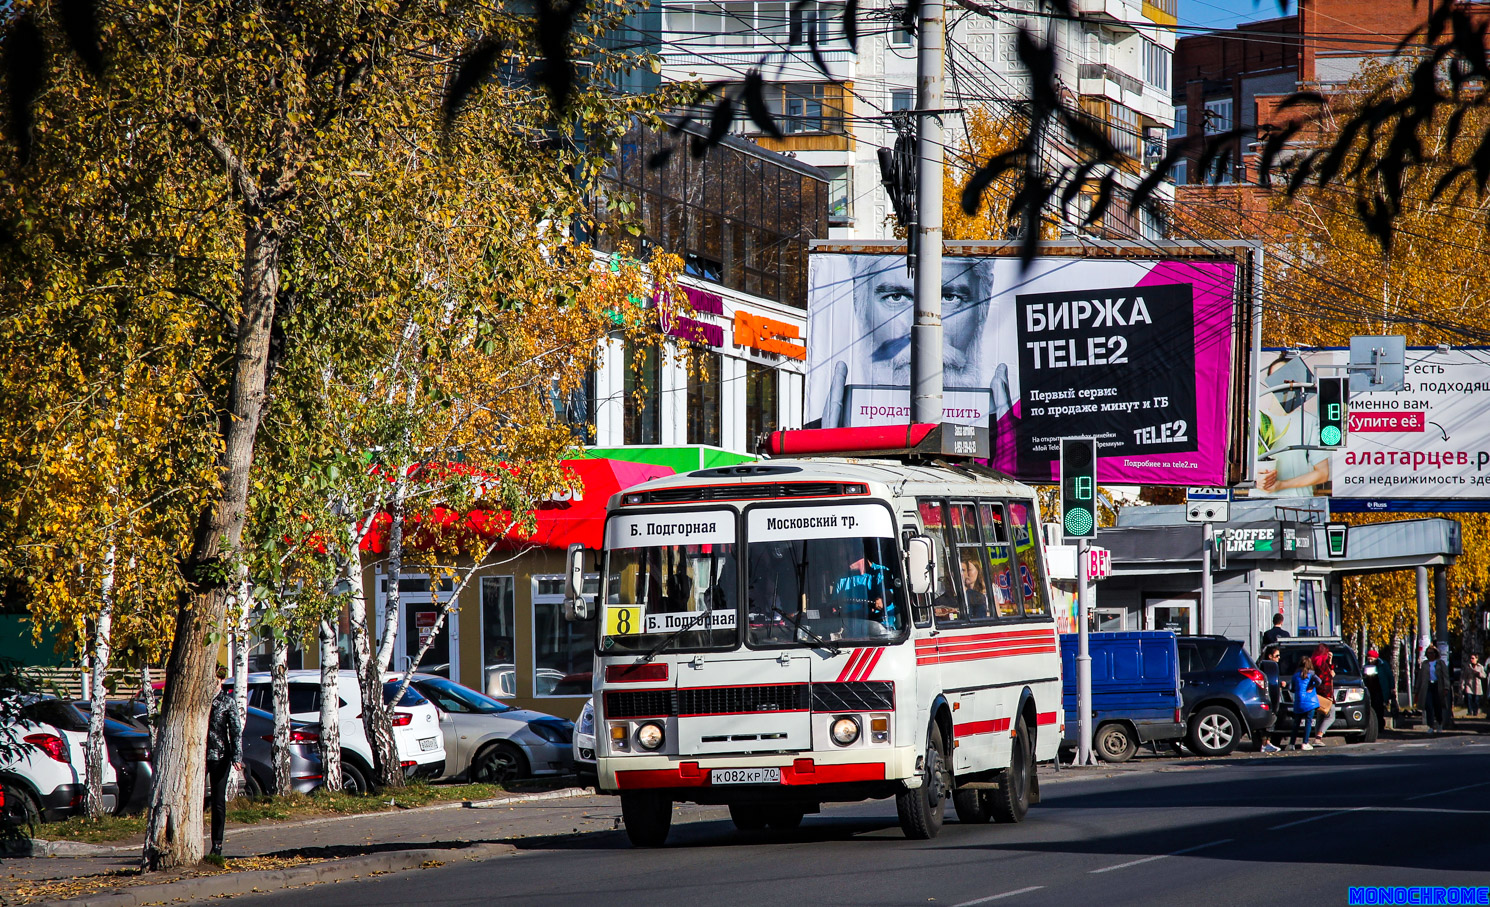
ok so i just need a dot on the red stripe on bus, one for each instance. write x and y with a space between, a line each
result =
868 668
849 668
932 659
1045 718
1029 645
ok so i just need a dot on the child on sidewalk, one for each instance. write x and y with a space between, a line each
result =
1305 701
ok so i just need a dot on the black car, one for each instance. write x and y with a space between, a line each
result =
1355 718
1225 694
128 744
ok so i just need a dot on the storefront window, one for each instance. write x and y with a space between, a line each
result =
498 632
761 388
575 407
704 421
563 651
1308 624
643 422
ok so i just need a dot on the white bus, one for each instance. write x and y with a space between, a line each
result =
781 634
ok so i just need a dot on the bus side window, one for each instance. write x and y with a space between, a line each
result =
1023 526
971 564
946 602
1003 591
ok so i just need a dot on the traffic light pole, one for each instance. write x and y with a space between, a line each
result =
1083 658
926 330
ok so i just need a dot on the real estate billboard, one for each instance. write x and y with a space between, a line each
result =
1139 353
1425 447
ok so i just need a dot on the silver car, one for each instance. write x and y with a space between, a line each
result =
490 742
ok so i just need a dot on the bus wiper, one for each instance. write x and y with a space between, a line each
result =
824 643
657 649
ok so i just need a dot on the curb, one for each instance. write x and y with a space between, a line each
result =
265 880
41 847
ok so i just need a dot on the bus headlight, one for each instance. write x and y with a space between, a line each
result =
845 731
649 736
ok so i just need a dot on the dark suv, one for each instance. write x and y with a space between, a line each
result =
1225 695
1355 717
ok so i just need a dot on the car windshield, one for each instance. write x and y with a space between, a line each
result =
670 578
450 696
818 575
1341 657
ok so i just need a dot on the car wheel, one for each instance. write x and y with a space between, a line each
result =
1114 743
1373 729
19 818
1215 731
252 787
748 817
1011 802
648 817
972 806
353 781
923 809
499 764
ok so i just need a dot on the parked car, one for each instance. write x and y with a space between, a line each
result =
501 680
416 732
1355 718
1225 693
584 746
258 754
1135 690
45 780
129 747
491 742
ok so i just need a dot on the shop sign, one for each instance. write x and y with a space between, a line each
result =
691 329
1280 540
769 336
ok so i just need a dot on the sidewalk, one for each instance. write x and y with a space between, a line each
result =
285 854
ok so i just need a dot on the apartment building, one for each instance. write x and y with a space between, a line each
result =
1113 59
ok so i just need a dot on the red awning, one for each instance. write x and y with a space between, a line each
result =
577 518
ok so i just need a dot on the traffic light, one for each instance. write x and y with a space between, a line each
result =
1333 414
1079 487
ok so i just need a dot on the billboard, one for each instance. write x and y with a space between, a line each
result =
1425 447
1137 352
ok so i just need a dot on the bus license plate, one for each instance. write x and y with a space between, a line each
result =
745 776
428 743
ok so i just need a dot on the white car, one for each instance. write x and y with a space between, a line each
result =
584 745
416 724
45 780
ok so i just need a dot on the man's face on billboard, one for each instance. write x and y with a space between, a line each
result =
886 299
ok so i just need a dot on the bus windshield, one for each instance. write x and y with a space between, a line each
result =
819 575
666 574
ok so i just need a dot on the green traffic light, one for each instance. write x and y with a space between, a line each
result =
1078 521
1330 434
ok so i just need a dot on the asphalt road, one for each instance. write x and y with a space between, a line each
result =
1297 829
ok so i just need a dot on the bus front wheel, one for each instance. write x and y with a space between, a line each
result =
923 809
648 817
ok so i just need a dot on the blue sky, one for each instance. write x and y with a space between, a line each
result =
1226 13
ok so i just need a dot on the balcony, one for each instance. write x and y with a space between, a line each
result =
1111 13
1102 80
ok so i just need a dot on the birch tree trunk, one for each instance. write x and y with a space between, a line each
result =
243 606
378 717
376 721
97 695
330 709
280 683
173 836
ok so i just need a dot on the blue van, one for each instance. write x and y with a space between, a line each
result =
1135 690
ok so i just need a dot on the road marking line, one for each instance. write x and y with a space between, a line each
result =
1338 812
1162 856
1452 790
996 897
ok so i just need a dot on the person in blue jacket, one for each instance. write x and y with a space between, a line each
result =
1305 701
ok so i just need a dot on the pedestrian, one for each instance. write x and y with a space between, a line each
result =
1474 686
1378 684
1324 670
1433 689
1276 633
1269 666
1305 701
224 753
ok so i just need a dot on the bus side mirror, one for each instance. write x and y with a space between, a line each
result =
575 606
920 565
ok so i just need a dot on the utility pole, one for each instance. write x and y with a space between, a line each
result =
926 331
1207 598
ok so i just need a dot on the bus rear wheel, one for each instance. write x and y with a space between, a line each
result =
922 810
648 817
1011 802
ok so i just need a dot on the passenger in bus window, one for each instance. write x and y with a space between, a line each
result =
972 581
